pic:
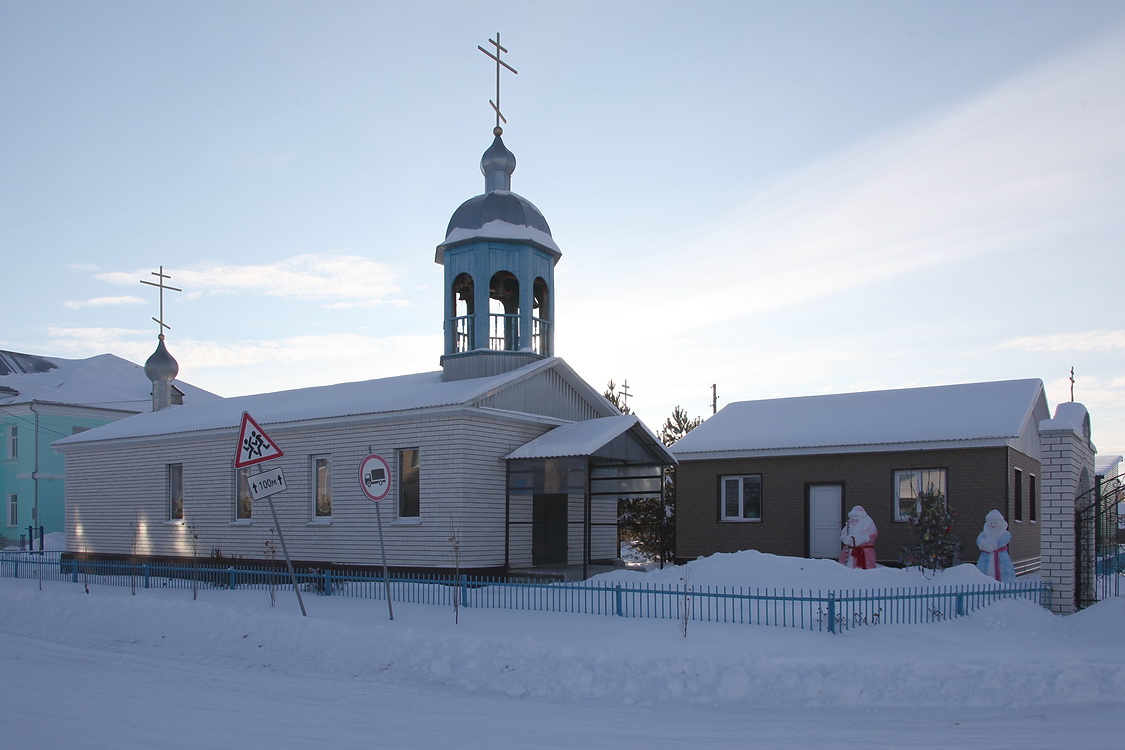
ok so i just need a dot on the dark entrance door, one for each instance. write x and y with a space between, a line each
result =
548 529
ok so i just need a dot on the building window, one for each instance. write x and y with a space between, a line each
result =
741 498
13 442
175 492
910 483
1031 497
322 487
13 510
409 494
1017 495
243 500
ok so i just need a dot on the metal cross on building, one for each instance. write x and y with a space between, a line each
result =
162 286
496 104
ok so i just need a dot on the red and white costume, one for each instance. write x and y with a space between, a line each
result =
858 538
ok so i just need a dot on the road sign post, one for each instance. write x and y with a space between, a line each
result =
255 447
375 481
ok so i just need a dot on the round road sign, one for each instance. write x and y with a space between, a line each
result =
375 477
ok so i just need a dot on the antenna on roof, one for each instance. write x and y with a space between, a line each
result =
714 398
496 104
162 286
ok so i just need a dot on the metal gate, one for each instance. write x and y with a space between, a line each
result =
1100 542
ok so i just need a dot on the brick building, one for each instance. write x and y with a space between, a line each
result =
779 475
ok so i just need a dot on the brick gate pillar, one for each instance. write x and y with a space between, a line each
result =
1067 455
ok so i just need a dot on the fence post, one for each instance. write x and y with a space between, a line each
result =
960 604
144 567
74 571
617 599
327 582
231 577
463 590
831 611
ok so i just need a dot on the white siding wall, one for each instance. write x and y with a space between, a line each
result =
116 496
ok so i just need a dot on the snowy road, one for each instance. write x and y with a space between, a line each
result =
159 670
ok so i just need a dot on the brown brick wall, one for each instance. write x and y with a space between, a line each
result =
977 480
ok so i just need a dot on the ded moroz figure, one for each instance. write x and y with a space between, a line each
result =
858 538
993 541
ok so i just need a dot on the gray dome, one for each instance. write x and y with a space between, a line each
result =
497 206
161 367
497 166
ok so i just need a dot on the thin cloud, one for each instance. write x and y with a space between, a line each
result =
103 302
1082 341
306 277
1032 162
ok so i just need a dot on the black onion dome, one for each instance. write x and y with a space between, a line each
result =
161 367
497 206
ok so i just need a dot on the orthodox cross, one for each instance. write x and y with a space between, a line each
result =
625 394
1072 382
162 286
499 63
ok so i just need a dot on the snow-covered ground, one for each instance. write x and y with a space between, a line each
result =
111 670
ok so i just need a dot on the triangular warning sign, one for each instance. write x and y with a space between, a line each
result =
254 445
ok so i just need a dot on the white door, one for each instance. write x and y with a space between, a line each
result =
825 519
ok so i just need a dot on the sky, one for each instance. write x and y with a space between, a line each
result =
174 669
780 199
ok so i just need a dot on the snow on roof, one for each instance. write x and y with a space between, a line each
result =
1107 466
105 381
368 397
578 438
498 230
994 411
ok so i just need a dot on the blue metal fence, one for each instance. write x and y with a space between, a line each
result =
831 611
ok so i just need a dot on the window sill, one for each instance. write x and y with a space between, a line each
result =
242 522
174 522
320 522
408 521
740 520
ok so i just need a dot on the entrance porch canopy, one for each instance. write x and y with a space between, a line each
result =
602 460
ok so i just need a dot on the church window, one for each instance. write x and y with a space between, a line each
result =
175 492
464 307
1031 515
322 486
243 500
912 482
541 320
13 442
740 498
13 510
504 312
409 485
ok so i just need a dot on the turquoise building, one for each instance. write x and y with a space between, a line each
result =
43 399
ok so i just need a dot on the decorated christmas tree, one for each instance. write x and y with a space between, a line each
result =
935 547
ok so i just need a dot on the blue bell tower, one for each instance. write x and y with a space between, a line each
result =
499 260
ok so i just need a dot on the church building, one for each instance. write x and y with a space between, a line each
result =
503 460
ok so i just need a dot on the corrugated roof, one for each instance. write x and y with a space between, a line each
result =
368 397
972 411
585 438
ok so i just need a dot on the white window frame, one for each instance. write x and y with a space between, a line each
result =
175 480
738 483
13 441
321 486
914 481
13 510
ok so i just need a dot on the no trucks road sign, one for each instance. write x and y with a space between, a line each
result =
375 477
